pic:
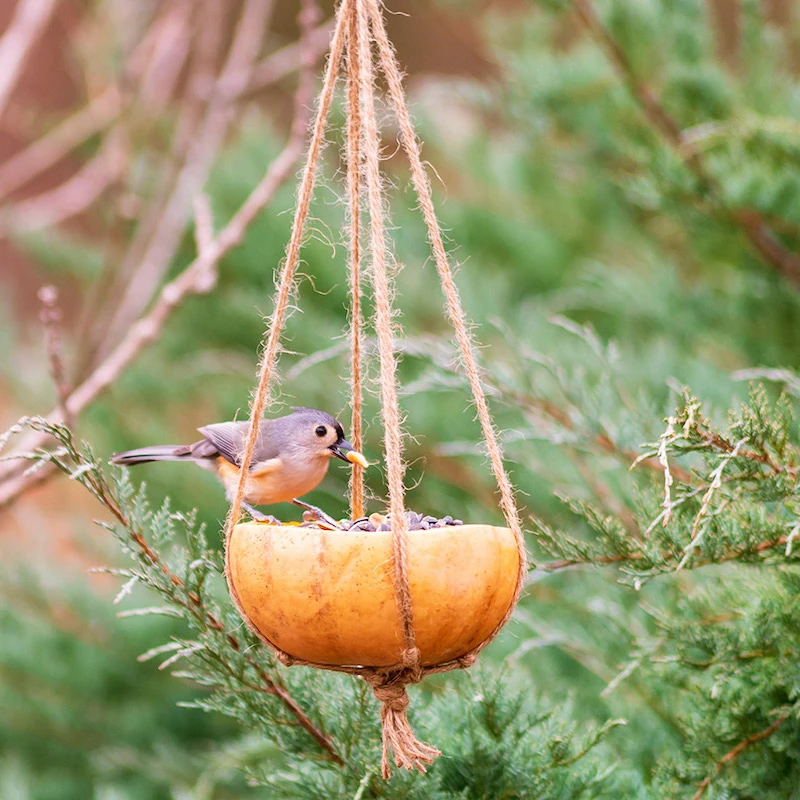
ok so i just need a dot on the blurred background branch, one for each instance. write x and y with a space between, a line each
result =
200 275
30 19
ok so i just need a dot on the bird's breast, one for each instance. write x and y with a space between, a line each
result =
273 481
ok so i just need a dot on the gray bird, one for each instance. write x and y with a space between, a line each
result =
291 456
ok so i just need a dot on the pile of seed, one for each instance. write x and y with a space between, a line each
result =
414 522
378 522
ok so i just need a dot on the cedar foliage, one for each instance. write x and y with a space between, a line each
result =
610 267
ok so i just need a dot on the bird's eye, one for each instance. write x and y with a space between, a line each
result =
321 430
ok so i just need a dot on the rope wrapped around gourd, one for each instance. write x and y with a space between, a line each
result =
361 34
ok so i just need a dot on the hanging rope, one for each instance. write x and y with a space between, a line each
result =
389 687
359 25
390 406
353 156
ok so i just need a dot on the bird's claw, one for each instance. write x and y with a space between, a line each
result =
317 515
260 516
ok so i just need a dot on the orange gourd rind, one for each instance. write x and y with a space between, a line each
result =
328 597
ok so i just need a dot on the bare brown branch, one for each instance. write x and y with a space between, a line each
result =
285 61
30 19
72 197
203 224
196 278
51 148
155 232
205 143
161 71
158 41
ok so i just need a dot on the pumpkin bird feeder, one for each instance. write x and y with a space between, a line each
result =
395 605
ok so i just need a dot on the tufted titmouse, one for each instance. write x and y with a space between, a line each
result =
291 456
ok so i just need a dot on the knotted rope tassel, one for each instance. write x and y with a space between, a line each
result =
409 752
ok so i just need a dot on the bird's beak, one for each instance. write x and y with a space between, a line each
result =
347 452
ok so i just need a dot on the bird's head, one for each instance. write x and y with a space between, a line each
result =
319 435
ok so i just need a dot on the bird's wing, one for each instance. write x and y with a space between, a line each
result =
203 449
228 439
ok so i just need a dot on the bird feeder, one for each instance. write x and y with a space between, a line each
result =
328 597
390 607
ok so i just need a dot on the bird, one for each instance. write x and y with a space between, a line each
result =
291 457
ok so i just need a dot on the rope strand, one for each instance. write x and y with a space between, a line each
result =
384 328
353 156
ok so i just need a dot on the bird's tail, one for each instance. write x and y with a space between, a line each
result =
159 452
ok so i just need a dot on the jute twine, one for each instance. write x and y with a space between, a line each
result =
353 158
361 34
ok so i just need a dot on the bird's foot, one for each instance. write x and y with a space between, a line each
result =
260 516
318 514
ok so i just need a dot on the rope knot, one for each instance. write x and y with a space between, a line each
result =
412 668
410 658
393 696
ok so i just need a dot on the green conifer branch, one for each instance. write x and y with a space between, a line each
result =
736 751
720 516
749 221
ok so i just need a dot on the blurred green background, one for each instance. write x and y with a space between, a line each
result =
602 273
